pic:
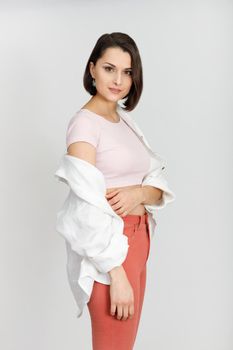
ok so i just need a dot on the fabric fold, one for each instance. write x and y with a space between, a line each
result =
86 219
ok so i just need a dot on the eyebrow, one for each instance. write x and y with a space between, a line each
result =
115 66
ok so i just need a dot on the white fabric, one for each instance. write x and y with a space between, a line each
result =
93 232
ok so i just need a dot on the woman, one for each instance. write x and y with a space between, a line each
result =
98 134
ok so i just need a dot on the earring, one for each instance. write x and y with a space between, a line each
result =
93 82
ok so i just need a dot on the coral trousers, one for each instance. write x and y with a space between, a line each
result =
108 332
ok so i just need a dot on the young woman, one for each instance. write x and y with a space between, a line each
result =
99 134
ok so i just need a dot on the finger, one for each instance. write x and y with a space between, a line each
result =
119 312
113 309
125 313
114 202
131 311
122 212
111 193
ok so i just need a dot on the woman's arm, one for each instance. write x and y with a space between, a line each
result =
149 194
87 152
121 291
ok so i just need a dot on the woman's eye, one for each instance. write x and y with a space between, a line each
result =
108 68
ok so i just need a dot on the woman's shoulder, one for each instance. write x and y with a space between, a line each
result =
81 127
81 118
82 114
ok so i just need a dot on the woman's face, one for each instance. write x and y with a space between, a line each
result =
112 71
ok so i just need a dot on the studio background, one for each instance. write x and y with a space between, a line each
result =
185 112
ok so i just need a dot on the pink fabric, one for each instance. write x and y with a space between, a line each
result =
120 155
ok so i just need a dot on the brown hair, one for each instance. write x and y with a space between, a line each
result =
127 44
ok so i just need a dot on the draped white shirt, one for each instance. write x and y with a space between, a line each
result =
93 232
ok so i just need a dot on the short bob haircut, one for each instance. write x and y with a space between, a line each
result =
127 44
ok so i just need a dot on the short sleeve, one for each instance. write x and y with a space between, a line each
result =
82 128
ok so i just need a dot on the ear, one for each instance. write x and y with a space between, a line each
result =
92 69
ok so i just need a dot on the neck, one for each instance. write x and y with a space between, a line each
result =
107 107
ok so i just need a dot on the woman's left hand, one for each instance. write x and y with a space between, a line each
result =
123 200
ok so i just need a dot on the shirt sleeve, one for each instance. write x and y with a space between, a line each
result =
83 220
82 128
157 179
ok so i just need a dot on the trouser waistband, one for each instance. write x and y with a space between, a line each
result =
136 219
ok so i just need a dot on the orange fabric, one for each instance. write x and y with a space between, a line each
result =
109 333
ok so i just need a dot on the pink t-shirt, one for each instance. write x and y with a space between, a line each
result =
120 155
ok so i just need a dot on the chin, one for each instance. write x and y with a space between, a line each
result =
112 98
108 96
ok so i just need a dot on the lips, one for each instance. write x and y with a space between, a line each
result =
115 91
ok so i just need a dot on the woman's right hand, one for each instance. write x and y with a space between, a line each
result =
121 294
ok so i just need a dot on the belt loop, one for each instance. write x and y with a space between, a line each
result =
146 218
140 221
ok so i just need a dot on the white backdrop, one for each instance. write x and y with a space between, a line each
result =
186 113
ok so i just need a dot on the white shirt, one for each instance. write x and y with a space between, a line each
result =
93 232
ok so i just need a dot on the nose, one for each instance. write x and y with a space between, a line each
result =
118 78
